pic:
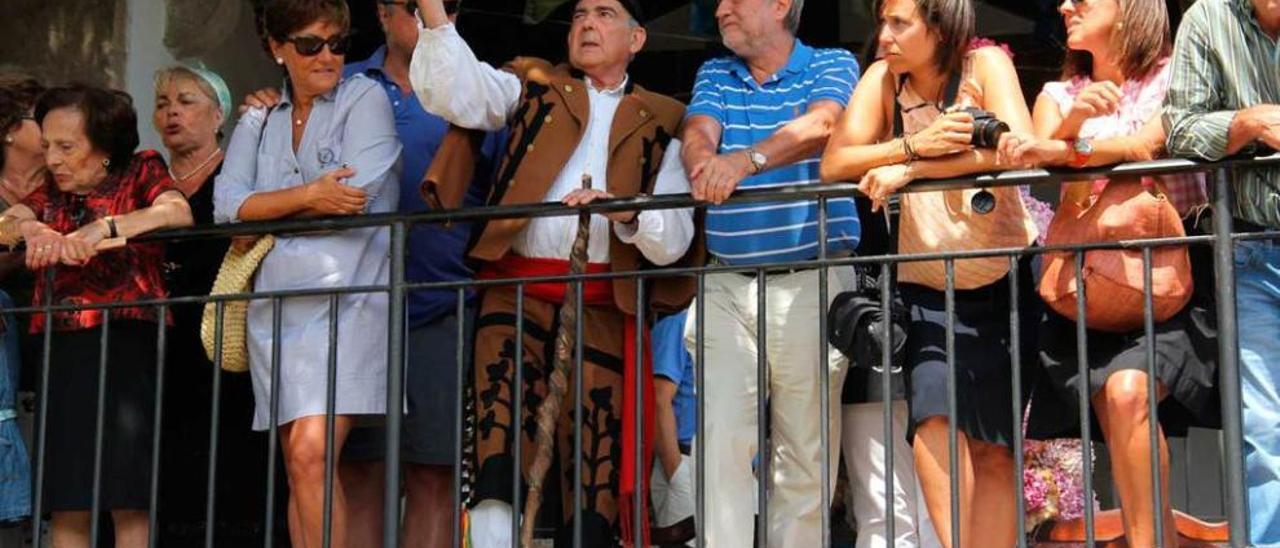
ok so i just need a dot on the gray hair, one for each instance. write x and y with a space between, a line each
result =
793 15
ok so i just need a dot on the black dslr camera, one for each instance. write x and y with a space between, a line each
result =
987 129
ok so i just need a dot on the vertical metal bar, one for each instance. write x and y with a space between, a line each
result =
1228 359
273 437
99 433
762 399
824 375
461 356
1082 377
953 411
699 388
517 418
330 422
637 503
395 388
42 414
215 412
1149 326
579 359
1015 359
886 391
162 312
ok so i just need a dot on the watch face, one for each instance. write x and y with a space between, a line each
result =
758 159
1084 146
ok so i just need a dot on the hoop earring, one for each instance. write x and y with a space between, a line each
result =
106 163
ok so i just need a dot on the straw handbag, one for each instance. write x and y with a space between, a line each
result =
235 276
1126 209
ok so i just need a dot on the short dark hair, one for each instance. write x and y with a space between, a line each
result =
952 22
18 95
110 121
282 18
1139 48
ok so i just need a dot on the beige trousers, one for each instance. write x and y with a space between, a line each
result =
793 352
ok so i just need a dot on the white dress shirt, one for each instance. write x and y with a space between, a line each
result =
451 83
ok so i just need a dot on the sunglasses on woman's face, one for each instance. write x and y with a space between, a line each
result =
310 46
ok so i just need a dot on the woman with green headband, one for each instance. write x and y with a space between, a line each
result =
190 107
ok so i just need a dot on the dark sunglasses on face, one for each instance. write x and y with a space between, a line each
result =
309 46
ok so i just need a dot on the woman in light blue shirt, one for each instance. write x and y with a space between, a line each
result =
329 148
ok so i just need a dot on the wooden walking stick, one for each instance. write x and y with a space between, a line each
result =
557 382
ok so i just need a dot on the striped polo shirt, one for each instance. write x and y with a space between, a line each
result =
750 112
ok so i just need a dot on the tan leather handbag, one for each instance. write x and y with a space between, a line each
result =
1127 209
945 221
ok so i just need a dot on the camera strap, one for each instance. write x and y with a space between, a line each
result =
948 98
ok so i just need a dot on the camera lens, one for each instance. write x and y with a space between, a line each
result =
987 132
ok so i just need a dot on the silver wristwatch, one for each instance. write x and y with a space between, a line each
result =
758 159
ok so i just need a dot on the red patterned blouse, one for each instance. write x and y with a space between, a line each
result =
133 272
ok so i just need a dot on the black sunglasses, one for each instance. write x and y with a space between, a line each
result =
308 45
450 6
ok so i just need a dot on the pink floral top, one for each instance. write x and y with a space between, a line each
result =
1139 101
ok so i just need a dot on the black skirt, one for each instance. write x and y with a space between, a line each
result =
127 421
984 365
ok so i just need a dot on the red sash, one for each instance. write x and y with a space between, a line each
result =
599 292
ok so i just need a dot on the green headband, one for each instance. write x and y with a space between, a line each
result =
219 89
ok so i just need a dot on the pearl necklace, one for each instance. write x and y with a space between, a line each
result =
204 164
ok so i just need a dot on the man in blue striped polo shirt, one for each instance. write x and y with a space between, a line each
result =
760 119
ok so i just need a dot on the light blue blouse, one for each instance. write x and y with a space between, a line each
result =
352 125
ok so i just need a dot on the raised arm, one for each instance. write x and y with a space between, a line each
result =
451 83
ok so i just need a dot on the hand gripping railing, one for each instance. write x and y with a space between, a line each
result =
398 287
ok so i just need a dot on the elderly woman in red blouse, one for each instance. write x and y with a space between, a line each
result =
98 190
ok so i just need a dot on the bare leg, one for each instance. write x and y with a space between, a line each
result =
428 520
362 482
993 521
70 529
304 451
934 472
1122 410
132 528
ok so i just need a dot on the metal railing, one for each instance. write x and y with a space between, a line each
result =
397 288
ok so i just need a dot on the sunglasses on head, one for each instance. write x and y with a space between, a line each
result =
308 45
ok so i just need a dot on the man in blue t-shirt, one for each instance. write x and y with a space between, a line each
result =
758 119
434 253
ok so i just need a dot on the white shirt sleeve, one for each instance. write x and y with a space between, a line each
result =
451 83
663 235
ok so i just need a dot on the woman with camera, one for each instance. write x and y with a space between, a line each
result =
933 107
1107 110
